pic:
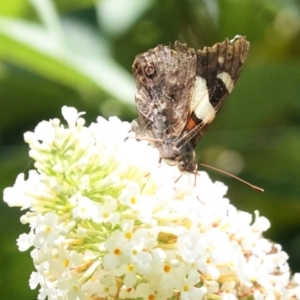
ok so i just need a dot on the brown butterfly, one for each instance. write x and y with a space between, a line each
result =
179 92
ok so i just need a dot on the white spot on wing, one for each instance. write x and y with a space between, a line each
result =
200 102
225 77
221 60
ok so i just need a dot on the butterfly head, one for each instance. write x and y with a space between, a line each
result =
185 158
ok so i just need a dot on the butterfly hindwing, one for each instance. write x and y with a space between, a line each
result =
165 78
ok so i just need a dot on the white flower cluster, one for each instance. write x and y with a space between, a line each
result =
108 221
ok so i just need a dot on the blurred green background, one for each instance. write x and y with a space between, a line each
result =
79 53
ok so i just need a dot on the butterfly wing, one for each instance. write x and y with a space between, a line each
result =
218 69
165 80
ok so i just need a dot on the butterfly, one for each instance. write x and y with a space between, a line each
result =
179 92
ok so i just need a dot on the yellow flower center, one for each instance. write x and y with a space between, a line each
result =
130 267
66 262
167 268
128 235
185 287
117 251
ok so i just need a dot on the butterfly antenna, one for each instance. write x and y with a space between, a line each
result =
235 177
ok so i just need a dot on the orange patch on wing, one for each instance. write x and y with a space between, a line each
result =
190 124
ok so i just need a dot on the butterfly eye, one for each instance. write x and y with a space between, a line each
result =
150 70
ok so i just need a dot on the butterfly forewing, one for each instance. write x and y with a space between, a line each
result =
218 68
